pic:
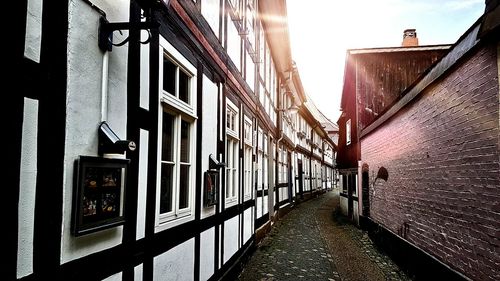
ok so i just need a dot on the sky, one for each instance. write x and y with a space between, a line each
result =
322 30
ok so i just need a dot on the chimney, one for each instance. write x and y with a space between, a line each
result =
410 38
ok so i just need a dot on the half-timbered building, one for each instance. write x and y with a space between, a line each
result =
153 140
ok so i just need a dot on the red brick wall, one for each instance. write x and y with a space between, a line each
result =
442 155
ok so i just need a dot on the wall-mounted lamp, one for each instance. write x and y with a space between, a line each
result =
109 142
292 109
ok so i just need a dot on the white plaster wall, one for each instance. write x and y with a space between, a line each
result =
231 234
33 38
144 69
233 44
283 193
248 221
355 211
142 188
250 72
138 272
210 9
343 205
259 207
265 204
209 133
27 188
207 252
114 277
176 264
83 109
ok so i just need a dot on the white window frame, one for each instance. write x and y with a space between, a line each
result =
265 162
232 155
181 110
248 150
348 132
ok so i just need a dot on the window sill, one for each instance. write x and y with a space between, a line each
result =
171 221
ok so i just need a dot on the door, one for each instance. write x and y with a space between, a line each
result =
350 191
365 189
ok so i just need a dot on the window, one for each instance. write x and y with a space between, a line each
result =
176 124
260 159
248 158
348 132
232 153
283 165
265 164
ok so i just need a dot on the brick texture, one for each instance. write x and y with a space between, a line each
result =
442 155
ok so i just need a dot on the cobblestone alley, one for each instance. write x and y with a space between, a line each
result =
314 243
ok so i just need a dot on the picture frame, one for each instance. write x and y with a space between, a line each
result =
211 187
98 194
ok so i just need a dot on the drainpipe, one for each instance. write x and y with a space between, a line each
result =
104 86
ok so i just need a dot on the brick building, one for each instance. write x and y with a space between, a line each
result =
428 161
373 81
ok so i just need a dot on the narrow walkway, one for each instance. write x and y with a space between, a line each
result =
314 243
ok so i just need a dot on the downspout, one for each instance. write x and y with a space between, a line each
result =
104 86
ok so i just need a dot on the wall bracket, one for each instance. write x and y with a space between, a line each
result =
106 29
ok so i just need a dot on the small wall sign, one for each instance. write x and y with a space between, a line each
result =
98 194
211 187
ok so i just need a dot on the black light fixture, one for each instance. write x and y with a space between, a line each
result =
109 142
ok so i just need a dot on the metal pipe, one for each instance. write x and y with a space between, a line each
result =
104 87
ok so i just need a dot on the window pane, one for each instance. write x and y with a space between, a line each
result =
167 147
169 76
166 188
228 182
183 86
184 187
235 183
185 141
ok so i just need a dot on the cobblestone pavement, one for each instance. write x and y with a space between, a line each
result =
313 242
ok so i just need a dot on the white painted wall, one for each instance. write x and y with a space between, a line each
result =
83 109
208 133
176 264
233 44
27 188
114 277
207 251
144 69
250 72
343 205
231 234
248 222
259 207
143 184
266 203
210 9
33 38
355 211
138 272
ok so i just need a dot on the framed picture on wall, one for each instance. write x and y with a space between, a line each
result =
211 187
98 194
